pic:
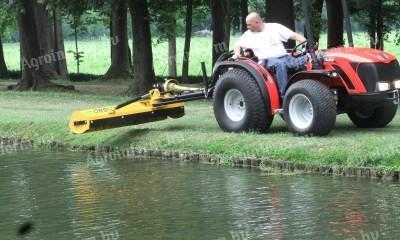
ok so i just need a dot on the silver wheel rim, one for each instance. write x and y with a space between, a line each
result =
234 104
301 111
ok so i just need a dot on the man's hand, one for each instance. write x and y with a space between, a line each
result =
235 57
236 53
297 37
316 46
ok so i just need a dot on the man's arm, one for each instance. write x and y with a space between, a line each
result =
239 44
236 49
297 37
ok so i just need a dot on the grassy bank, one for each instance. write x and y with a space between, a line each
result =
43 117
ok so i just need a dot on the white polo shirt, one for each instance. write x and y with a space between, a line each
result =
268 43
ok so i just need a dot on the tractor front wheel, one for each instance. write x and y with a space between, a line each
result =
374 118
239 105
309 108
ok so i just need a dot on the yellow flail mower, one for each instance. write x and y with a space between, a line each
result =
166 100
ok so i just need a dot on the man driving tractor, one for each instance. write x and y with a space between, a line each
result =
266 41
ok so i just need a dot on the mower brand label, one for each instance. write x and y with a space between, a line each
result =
102 110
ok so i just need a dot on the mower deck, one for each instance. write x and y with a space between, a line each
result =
137 112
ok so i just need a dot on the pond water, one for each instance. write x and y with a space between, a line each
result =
64 196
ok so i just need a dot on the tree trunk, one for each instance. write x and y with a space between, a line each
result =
3 66
372 28
111 29
244 7
335 23
316 20
46 41
188 36
379 27
21 55
228 21
130 58
142 50
120 67
172 53
77 52
61 65
33 74
282 11
218 12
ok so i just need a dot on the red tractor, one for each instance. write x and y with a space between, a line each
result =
362 82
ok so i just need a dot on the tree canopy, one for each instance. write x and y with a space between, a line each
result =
164 20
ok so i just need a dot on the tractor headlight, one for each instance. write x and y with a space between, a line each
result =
333 74
383 86
397 84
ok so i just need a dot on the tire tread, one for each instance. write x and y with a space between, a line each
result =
260 119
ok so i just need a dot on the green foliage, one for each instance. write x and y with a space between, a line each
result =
164 15
257 6
364 10
7 18
78 56
169 15
201 15
236 16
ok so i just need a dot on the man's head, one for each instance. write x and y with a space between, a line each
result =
254 22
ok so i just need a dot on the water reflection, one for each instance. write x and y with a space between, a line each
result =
162 199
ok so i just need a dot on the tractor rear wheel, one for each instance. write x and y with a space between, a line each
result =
374 118
309 108
239 105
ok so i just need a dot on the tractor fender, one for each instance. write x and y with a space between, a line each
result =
265 82
312 74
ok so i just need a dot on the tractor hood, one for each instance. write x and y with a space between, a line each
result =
363 67
358 55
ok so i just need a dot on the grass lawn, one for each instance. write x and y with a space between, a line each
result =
43 118
97 54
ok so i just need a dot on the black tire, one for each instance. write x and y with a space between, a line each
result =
374 118
256 115
309 109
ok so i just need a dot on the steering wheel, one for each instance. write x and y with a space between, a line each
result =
298 53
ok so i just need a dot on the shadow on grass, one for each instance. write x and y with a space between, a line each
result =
342 129
278 129
346 129
127 137
177 127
